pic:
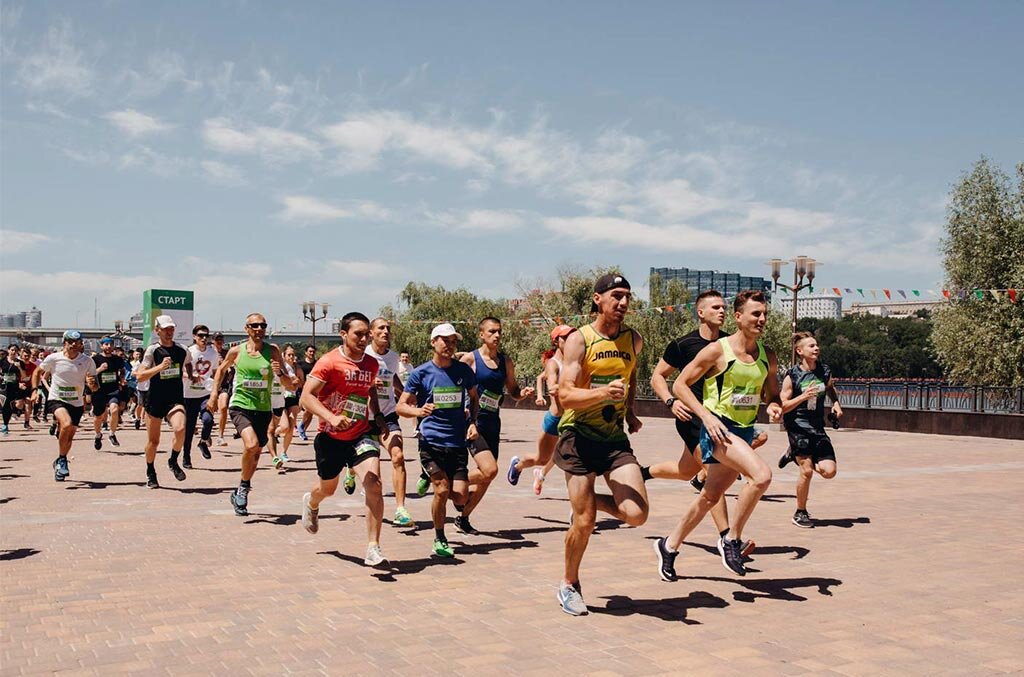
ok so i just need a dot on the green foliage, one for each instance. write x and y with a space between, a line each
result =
867 346
981 341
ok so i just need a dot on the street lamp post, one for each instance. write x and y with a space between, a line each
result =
803 268
309 312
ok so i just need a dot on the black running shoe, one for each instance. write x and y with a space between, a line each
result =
666 561
138 424
463 526
785 459
60 469
802 519
179 474
53 429
697 484
240 501
113 440
204 449
186 462
151 482
645 472
732 557
98 442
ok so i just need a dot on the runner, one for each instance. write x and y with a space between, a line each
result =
738 367
105 401
256 363
71 372
224 394
28 367
435 393
597 387
141 388
291 402
13 372
388 388
307 364
339 393
549 428
162 367
278 397
405 368
809 444
198 391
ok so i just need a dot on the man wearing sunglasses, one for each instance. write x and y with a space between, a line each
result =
198 391
256 362
71 371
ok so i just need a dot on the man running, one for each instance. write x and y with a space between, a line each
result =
162 367
224 394
339 392
597 388
255 363
809 444
435 393
495 374
71 372
738 369
105 401
306 364
199 391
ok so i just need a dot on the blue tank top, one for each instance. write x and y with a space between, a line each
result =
490 384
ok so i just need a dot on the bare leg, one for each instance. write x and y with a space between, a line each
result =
584 514
153 425
393 442
322 490
251 454
479 479
628 501
368 473
67 431
741 458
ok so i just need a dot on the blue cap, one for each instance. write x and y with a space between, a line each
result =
72 335
106 339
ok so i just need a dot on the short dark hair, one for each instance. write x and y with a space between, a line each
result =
349 318
378 320
308 347
748 295
489 318
199 327
801 335
706 294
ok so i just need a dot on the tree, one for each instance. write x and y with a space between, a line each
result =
867 346
981 341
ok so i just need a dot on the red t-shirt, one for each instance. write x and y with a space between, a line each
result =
346 391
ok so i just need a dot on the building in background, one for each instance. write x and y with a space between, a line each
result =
28 319
695 281
893 308
821 306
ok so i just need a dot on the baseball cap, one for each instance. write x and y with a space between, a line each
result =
218 335
444 329
560 331
106 339
163 321
72 335
607 282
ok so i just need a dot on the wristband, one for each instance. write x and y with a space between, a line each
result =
669 402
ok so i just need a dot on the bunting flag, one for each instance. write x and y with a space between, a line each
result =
849 291
1012 293
979 293
860 291
901 293
945 292
836 290
888 294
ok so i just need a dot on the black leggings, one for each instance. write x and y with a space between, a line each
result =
196 407
8 409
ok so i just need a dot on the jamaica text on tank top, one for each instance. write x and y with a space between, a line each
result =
253 379
604 361
735 392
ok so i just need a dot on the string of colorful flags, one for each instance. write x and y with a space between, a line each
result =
948 294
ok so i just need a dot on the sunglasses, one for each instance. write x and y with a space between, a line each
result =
257 325
202 335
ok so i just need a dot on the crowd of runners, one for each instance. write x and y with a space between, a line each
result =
359 390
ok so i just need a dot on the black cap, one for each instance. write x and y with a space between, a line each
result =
218 335
607 282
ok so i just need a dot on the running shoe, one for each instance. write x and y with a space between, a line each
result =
802 519
513 473
463 526
748 547
204 449
442 549
538 481
278 464
221 442
374 557
284 457
60 469
98 442
27 426
571 599
422 484
310 517
732 559
53 429
402 517
666 561
4 431
179 474
697 484
349 482
138 424
113 440
785 459
301 431
240 501
186 463
151 481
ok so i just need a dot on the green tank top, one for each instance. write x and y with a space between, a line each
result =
253 378
735 392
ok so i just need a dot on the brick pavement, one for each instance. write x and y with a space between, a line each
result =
912 569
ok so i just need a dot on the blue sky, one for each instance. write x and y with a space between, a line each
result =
263 154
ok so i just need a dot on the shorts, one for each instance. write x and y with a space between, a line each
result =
74 412
143 397
452 462
689 433
333 455
290 402
277 411
391 420
158 409
707 445
489 439
580 455
125 395
257 420
550 424
818 447
100 402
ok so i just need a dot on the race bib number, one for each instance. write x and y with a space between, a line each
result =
108 377
384 391
173 371
67 393
489 400
365 445
447 397
354 407
10 378
276 388
254 383
745 400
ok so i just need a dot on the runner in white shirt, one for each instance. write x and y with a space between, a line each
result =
290 415
204 359
71 372
277 409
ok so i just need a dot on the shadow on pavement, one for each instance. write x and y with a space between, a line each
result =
772 588
8 499
19 553
208 491
288 520
798 551
12 476
843 522
400 568
778 498
673 609
125 453
85 484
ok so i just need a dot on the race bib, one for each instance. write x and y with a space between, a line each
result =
276 388
447 397
597 381
354 407
254 383
173 371
10 378
745 400
489 400
67 393
108 377
365 445
384 391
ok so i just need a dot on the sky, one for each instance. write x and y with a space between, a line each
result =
264 154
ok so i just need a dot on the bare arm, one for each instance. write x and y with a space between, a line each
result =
147 372
311 403
569 394
407 407
774 408
837 408
512 385
276 362
225 365
474 411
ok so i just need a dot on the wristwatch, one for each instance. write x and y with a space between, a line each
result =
669 402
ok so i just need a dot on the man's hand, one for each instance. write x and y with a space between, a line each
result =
90 381
716 429
540 401
102 367
339 422
275 366
616 390
633 424
812 391
680 411
774 411
211 405
426 410
471 432
165 363
837 410
526 392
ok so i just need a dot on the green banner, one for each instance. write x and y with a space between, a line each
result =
177 303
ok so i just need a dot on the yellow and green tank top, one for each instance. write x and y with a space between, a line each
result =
253 379
605 360
735 392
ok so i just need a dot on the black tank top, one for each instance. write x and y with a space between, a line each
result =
167 386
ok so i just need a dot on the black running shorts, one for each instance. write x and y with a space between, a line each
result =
452 462
333 455
818 447
259 421
74 412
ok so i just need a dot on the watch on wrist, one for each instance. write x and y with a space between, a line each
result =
669 402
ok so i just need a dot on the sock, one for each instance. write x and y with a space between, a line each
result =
246 483
439 535
458 507
174 456
723 532
645 472
150 470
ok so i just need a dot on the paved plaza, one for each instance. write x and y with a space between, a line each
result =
914 568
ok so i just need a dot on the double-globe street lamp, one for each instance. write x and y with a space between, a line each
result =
803 268
309 312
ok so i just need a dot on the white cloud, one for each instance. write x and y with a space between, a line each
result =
135 124
143 157
13 241
94 158
677 199
306 209
371 269
102 285
271 143
480 221
223 174
58 65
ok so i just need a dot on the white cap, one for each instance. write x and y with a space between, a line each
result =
163 321
444 329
